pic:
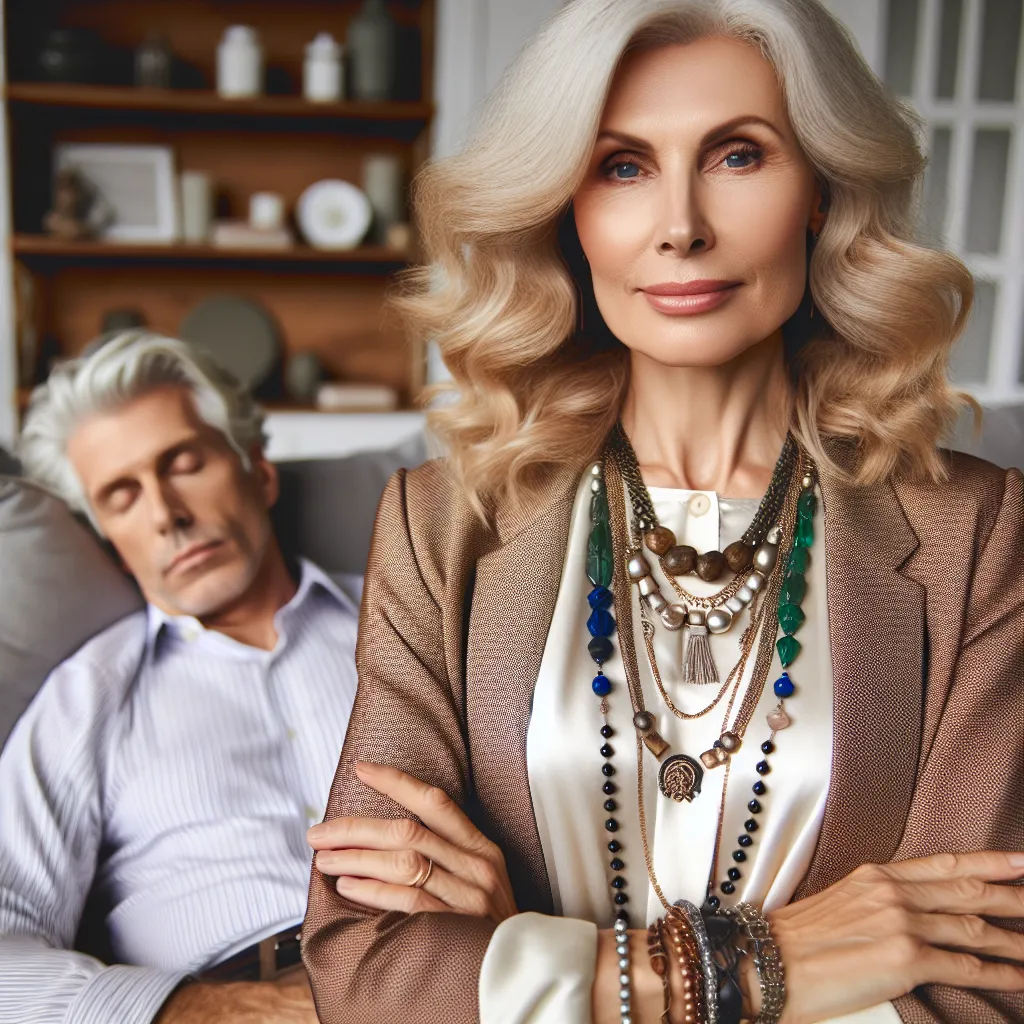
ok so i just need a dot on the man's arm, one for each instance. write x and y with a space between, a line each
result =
50 832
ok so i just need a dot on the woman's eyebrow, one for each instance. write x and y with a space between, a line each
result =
713 135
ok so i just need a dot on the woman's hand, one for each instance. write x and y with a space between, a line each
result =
887 928
378 861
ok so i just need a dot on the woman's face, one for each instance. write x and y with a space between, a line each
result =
694 212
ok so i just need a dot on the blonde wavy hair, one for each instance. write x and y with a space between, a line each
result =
502 290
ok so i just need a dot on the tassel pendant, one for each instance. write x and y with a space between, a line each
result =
698 664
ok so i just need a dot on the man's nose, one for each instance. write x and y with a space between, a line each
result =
170 512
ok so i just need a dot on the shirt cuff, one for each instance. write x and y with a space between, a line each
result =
883 1013
129 995
539 970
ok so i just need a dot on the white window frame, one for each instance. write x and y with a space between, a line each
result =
867 20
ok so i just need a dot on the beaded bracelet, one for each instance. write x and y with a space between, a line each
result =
625 985
659 963
771 975
707 958
680 936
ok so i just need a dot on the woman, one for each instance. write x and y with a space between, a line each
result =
682 231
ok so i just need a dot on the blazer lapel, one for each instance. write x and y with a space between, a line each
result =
876 629
513 602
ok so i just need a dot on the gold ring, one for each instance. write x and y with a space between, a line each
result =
421 879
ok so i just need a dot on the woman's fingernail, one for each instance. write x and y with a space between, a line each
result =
315 832
343 883
1016 859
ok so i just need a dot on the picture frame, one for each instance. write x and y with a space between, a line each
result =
134 187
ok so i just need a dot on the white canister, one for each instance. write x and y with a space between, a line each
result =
382 183
266 211
196 205
322 79
239 63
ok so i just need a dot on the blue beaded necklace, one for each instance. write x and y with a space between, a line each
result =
601 626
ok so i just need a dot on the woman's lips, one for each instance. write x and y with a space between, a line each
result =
687 300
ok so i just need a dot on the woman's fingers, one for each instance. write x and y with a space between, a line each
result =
430 804
405 868
384 834
384 896
964 896
986 865
971 934
963 970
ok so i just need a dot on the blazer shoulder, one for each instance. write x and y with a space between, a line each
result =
970 497
431 507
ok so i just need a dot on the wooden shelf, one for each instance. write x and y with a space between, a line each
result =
43 248
204 102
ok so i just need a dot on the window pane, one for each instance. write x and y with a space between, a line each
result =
949 49
935 201
970 357
1000 44
988 190
901 46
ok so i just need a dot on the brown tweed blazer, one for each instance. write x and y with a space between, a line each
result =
926 619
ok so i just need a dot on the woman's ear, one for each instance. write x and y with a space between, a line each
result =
819 208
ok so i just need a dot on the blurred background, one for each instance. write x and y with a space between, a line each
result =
236 172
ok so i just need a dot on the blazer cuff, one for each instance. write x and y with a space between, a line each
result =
539 970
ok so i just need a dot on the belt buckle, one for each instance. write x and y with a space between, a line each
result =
269 949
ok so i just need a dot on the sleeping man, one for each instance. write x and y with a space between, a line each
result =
162 781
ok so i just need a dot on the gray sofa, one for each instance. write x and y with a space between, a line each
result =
58 588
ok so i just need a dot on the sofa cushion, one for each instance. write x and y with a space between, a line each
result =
59 589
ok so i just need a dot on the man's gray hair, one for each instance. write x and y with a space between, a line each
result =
120 370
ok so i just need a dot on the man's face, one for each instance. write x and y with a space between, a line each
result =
172 496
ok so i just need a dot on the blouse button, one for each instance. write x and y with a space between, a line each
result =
699 505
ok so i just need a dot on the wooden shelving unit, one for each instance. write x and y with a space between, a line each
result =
41 250
332 303
207 103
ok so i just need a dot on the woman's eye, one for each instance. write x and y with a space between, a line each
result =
621 169
745 156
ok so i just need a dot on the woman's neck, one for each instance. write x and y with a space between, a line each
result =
715 428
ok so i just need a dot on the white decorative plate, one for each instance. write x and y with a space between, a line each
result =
333 214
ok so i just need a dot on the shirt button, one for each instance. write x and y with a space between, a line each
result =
313 814
699 504
292 734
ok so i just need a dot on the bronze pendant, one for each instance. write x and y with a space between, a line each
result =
680 778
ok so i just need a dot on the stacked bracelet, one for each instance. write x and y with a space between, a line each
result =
680 937
771 975
625 985
707 959
660 964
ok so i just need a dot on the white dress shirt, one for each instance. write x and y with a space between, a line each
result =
540 970
173 771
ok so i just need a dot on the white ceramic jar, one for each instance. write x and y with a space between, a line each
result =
323 78
239 63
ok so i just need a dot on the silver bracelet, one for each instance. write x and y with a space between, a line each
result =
707 959
625 984
771 974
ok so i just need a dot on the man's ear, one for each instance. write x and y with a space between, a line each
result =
266 476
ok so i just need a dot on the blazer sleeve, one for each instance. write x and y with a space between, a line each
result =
364 965
970 788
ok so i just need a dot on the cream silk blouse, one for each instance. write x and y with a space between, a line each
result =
540 969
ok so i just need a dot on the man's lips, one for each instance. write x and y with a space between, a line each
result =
191 555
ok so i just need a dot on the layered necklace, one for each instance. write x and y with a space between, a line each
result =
779 542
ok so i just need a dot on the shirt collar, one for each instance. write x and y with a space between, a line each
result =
311 579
